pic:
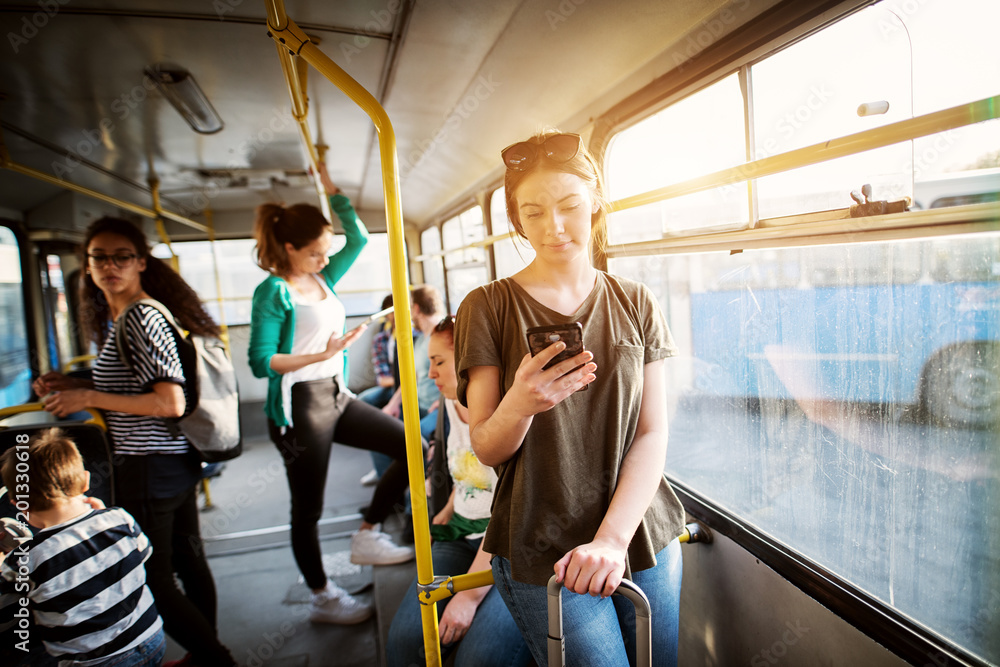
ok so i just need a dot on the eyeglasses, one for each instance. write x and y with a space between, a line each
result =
558 148
447 324
121 260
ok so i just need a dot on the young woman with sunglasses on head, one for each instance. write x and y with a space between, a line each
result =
156 470
581 492
297 342
461 491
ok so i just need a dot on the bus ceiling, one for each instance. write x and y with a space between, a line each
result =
99 120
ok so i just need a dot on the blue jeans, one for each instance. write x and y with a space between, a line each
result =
493 639
599 632
147 654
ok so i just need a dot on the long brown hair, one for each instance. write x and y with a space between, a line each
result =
276 225
583 165
159 281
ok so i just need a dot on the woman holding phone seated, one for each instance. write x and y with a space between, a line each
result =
297 342
580 492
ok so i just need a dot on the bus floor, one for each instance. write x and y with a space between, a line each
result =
263 605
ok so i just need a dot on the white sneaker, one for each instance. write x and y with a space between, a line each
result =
370 478
334 605
372 547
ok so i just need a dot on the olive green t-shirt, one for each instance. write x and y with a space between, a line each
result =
552 495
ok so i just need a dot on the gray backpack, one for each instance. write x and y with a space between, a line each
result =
211 422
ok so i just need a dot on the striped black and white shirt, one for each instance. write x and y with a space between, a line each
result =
85 584
154 356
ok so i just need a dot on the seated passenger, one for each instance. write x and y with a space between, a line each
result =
426 308
386 370
86 583
479 616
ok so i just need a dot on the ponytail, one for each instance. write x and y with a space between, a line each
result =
276 225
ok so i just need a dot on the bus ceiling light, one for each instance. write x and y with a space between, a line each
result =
873 108
183 92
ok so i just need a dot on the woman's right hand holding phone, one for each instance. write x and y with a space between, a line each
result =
536 390
498 423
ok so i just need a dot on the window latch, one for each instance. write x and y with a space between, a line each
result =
865 206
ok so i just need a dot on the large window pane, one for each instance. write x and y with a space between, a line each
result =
15 372
846 401
369 279
238 274
466 268
430 242
811 92
700 134
459 232
513 253
361 289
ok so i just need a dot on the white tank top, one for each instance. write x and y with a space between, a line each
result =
315 322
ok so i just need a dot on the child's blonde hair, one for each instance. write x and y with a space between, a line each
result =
52 469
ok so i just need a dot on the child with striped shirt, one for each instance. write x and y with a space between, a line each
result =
82 574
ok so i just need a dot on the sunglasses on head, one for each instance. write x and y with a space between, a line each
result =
558 148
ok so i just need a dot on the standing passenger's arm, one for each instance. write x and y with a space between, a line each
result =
597 567
354 231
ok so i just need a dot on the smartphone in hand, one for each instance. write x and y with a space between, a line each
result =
540 338
375 316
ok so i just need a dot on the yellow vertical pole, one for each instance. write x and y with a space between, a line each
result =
293 41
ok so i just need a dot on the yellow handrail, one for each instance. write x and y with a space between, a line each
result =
83 358
8 163
293 41
96 417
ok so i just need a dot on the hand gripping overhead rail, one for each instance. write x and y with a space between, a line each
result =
296 51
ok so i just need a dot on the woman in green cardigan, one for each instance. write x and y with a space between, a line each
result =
297 342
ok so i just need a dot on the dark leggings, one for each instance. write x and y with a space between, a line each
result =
171 524
321 417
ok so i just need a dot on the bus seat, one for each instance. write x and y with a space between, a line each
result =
87 429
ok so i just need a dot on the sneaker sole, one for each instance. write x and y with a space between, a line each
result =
357 560
339 621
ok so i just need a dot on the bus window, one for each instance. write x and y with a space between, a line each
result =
903 54
360 290
369 281
846 400
430 242
238 274
700 134
57 303
855 61
466 268
15 371
513 253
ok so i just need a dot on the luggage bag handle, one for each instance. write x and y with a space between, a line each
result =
643 638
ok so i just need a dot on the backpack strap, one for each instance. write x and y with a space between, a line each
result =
121 338
125 351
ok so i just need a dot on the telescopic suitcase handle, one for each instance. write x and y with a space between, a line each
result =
643 638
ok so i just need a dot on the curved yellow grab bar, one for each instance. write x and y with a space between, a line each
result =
96 417
292 41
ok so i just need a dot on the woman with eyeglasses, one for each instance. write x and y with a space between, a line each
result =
579 448
156 470
297 342
460 493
